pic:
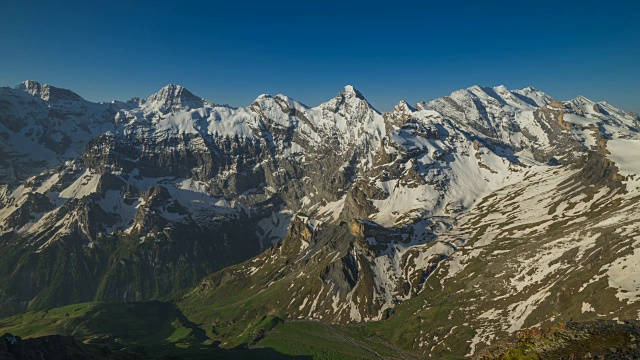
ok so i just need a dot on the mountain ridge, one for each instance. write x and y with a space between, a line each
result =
364 214
32 84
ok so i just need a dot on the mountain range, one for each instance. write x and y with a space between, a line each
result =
430 230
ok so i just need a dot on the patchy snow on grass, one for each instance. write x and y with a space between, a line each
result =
586 307
624 275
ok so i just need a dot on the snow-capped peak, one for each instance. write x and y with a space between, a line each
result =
350 98
350 88
171 91
403 107
175 97
534 95
579 100
501 89
48 93
263 96
350 91
30 86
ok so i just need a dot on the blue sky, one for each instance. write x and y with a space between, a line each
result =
233 51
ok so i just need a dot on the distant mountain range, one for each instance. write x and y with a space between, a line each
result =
453 222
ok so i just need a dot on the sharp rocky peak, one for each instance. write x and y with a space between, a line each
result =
404 107
172 97
349 98
172 91
32 87
351 91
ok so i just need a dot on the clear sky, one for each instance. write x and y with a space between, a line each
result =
232 51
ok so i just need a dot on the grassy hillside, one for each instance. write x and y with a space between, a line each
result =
149 324
156 329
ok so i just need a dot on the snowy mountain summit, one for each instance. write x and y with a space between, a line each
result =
174 98
48 93
366 209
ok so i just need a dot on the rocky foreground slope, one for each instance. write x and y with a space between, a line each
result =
458 220
588 340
